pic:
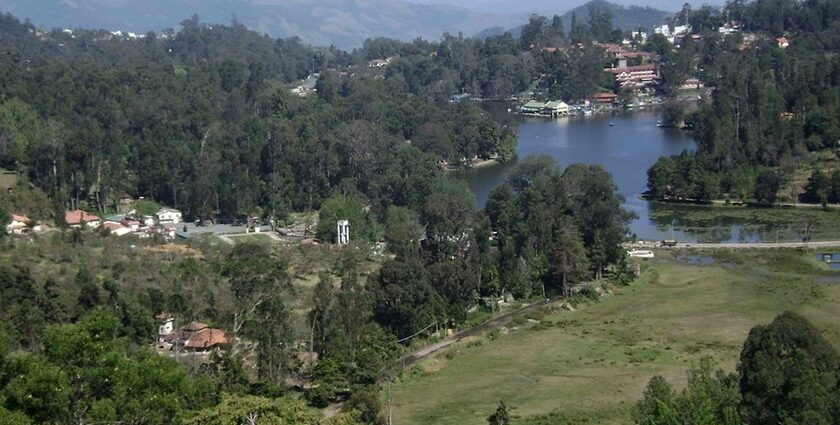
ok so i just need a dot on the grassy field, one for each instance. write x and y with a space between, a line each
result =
591 365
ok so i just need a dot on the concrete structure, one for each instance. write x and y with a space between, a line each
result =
662 29
637 253
18 225
166 328
343 234
168 216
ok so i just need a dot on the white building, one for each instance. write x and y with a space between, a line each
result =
168 216
640 36
18 225
556 108
681 29
343 232
662 29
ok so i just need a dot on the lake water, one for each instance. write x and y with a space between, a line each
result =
626 149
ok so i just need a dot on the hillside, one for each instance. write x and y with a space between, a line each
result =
342 23
561 6
624 17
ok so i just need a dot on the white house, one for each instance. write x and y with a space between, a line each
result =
166 328
18 224
168 216
681 29
662 29
555 108
117 229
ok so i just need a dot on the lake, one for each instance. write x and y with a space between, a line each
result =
626 149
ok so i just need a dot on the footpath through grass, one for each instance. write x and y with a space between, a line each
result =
591 365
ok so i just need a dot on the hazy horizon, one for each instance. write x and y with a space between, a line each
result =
537 6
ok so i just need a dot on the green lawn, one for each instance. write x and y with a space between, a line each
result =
591 365
253 237
7 179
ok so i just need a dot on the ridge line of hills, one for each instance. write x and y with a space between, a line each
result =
342 23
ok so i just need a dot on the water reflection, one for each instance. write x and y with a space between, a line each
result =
626 149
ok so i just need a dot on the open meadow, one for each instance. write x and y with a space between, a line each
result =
591 365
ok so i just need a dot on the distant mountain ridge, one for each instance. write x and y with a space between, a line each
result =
343 23
624 17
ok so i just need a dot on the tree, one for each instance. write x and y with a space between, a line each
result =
319 317
818 189
500 417
556 32
658 397
344 207
403 300
258 281
766 187
789 374
568 256
5 219
403 231
534 32
710 398
600 22
251 410
502 210
327 86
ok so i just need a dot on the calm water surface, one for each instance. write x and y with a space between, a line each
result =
626 149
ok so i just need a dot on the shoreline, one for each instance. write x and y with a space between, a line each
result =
739 204
473 165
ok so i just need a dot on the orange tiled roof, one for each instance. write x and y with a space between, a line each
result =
79 217
206 338
21 218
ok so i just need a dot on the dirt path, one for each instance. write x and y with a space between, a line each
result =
496 323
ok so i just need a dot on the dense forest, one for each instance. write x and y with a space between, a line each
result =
204 120
770 107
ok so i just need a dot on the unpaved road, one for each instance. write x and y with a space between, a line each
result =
496 323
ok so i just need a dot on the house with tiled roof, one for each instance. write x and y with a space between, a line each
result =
194 336
78 219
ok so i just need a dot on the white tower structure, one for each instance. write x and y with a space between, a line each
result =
343 228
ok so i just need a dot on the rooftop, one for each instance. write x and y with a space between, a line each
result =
79 217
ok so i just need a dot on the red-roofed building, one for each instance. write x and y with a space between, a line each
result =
195 336
635 76
605 98
79 218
